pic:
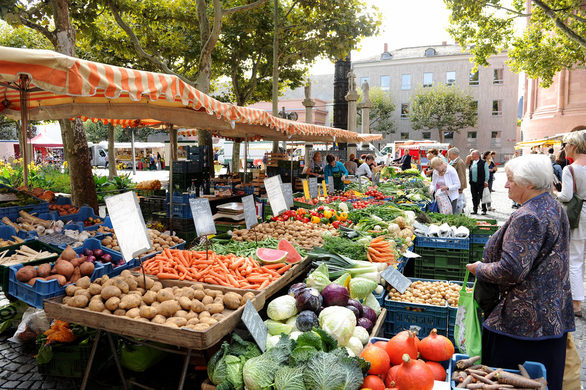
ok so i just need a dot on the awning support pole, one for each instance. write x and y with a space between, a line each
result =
24 123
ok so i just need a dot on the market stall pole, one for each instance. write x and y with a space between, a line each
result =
173 157
133 151
23 89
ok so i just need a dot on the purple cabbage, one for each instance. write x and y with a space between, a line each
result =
335 295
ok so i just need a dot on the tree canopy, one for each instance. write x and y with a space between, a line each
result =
444 108
554 39
381 113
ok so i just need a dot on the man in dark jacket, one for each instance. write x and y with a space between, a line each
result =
478 175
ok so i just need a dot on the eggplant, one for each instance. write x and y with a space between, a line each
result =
365 323
296 289
369 314
335 295
306 321
356 304
309 299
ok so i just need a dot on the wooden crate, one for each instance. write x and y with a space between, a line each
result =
377 329
273 159
181 337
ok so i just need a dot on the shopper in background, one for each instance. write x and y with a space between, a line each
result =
365 168
576 172
445 178
527 258
336 170
404 161
488 157
460 167
351 165
478 175
560 158
431 154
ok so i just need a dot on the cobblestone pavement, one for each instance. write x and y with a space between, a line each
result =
502 204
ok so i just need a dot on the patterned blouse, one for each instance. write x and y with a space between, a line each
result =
528 258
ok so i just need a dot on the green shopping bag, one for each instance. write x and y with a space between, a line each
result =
467 330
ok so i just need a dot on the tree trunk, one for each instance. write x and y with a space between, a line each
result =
111 152
173 144
441 136
236 157
276 67
83 189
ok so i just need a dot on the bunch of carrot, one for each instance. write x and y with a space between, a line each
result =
380 251
226 270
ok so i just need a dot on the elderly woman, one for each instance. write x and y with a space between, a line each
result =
527 259
576 172
445 178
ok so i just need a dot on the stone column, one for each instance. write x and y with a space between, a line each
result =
365 105
562 89
352 97
308 103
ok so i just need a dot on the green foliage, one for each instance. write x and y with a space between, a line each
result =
97 132
443 108
554 39
381 113
22 37
122 183
7 128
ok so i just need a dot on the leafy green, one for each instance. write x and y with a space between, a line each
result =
259 372
289 378
301 354
350 248
327 371
319 278
452 219
225 366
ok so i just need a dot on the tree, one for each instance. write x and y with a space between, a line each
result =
554 39
7 128
381 113
444 108
52 19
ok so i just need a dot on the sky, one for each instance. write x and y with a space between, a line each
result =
405 23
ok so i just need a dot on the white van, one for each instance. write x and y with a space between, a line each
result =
256 151
98 156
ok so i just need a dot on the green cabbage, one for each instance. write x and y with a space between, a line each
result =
329 371
275 328
361 334
371 302
259 372
361 287
282 308
339 322
289 378
319 278
225 366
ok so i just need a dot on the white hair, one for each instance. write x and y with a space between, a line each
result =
531 170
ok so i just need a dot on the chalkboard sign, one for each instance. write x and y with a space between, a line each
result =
128 223
396 279
249 211
330 184
288 194
313 191
202 216
275 194
255 325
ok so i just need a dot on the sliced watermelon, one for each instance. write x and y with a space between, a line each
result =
293 256
271 256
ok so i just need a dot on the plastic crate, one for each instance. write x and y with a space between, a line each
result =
68 361
442 242
33 244
12 211
107 268
181 210
402 315
478 239
485 230
380 297
441 264
476 252
41 290
84 213
7 233
534 369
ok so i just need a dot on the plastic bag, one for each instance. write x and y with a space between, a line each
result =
486 198
11 314
467 329
34 322
443 202
461 205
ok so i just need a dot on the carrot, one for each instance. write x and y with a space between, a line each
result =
284 269
379 238
274 266
368 256
264 284
163 275
509 378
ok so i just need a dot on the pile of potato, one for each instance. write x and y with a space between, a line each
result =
126 295
306 235
429 293
159 240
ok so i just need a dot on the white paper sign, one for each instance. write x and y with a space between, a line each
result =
288 194
330 185
249 211
128 223
202 216
275 194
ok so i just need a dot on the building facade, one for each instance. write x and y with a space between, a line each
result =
560 108
494 89
320 112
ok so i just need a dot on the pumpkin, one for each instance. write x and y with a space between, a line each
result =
405 342
414 375
391 377
436 347
378 359
439 372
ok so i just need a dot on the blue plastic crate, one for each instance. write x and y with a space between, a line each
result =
380 297
41 290
107 268
478 239
442 242
534 369
84 213
181 210
7 232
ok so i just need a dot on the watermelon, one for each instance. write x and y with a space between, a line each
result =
271 256
293 256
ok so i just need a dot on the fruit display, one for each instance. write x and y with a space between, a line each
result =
298 233
150 185
144 299
159 240
30 223
436 293
64 209
91 221
323 215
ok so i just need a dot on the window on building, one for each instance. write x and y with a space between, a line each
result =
385 82
426 135
495 134
497 107
472 135
405 81
404 110
404 135
363 79
473 78
427 80
448 135
429 52
450 78
498 78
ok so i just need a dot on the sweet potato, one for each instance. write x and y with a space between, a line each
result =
26 273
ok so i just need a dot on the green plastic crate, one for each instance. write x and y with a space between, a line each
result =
68 361
485 230
436 263
476 252
36 245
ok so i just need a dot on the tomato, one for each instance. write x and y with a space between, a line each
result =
336 224
306 220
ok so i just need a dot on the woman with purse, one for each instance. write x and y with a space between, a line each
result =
526 262
445 178
574 184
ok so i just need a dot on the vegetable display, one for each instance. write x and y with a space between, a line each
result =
29 223
226 270
436 293
24 254
159 241
298 233
15 240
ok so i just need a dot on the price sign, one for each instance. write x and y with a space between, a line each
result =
396 279
313 191
202 216
324 188
376 179
359 183
128 223
306 190
249 211
288 194
275 194
330 184
255 325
